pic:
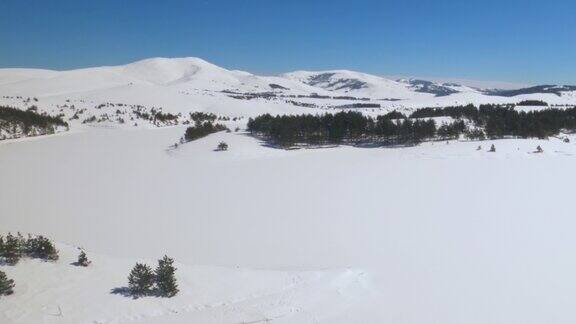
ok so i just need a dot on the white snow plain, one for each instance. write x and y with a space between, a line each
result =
435 233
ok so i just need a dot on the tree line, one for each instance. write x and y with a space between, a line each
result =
348 128
29 118
498 121
485 121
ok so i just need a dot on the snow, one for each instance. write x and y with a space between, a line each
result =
61 292
485 242
184 85
437 233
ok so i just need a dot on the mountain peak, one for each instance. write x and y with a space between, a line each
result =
163 70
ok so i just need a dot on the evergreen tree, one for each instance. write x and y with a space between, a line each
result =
222 146
83 259
6 285
1 246
140 280
165 279
41 247
12 250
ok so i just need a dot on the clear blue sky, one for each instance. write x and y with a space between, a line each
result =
510 40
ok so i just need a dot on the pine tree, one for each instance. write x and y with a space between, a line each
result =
140 280
222 146
12 250
83 259
44 249
1 246
165 279
6 285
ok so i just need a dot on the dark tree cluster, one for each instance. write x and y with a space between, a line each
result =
202 129
14 247
200 117
165 117
533 103
395 115
357 105
498 121
477 123
343 127
142 281
456 112
29 118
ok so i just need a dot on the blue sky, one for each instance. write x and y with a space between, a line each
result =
520 41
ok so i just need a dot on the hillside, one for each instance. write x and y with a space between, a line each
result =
179 86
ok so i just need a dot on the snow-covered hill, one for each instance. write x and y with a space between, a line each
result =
192 84
119 96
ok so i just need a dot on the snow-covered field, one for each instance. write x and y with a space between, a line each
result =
437 233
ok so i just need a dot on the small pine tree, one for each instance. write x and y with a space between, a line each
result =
44 249
83 259
1 246
6 285
165 279
12 250
140 280
222 146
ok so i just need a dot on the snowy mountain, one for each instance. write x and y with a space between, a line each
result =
354 83
182 85
191 73
173 73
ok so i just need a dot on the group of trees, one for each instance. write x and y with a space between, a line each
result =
498 121
142 281
485 121
532 103
201 129
200 117
14 247
348 127
29 118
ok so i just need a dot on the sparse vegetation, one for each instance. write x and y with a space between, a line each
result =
222 146
14 247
